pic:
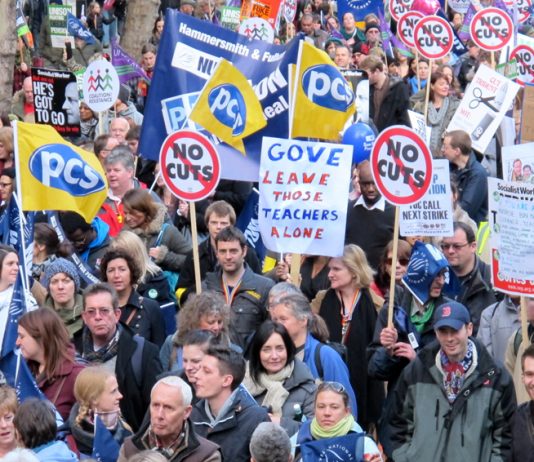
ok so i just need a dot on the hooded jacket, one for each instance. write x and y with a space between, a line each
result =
55 451
475 427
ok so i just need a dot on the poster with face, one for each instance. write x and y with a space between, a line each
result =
56 100
518 162
360 86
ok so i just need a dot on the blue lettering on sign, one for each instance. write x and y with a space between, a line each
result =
326 87
58 166
228 106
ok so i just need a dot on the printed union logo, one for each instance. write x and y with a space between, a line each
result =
58 166
326 87
228 106
100 83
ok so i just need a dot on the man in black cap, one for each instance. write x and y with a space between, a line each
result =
453 402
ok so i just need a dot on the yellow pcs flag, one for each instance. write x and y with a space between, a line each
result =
322 100
228 107
56 175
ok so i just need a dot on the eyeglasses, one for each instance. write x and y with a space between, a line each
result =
453 246
104 312
402 261
334 386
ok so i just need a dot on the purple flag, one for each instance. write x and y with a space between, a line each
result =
464 32
390 40
125 65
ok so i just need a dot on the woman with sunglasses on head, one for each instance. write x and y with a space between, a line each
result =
383 276
394 347
277 380
333 419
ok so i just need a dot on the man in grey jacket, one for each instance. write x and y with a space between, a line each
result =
453 402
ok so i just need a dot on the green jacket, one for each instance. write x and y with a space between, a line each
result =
475 428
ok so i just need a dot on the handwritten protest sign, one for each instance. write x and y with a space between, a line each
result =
304 189
491 29
431 215
483 107
511 213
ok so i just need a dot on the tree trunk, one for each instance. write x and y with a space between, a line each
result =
138 26
8 50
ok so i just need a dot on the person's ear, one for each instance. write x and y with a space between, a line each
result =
469 328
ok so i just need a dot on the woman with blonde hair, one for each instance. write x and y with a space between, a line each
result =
97 394
350 314
6 148
205 311
8 409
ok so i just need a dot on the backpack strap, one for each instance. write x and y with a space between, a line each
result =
317 359
137 358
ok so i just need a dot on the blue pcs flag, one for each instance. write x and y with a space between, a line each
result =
248 223
348 448
105 447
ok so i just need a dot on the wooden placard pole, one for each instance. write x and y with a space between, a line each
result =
394 252
295 269
417 70
427 88
194 236
524 322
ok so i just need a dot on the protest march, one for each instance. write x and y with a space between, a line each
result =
267 230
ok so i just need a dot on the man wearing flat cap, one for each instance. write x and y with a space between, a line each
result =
453 402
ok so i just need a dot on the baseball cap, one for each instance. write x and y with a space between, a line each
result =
451 314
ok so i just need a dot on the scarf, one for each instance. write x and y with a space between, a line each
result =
273 384
104 354
436 119
419 321
340 429
454 373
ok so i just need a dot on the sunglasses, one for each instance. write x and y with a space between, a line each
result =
334 386
402 261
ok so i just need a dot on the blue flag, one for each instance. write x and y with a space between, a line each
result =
78 30
188 54
105 447
248 223
13 232
348 448
359 8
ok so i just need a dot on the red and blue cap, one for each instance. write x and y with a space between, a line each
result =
451 314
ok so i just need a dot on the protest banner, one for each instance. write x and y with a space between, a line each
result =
518 162
359 8
58 20
524 57
264 9
491 29
433 37
511 216
230 17
100 85
527 115
304 187
187 56
432 214
191 169
406 25
483 107
399 7
257 29
401 164
56 100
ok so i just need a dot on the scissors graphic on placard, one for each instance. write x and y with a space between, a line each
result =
477 93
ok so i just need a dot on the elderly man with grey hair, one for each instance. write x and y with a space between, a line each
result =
270 443
169 431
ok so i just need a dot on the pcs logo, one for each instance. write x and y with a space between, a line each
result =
58 166
326 87
228 106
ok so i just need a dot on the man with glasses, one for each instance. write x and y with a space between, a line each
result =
453 402
476 292
104 340
370 219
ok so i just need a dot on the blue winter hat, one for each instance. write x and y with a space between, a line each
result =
451 314
61 265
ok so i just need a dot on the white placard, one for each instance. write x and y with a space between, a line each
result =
100 85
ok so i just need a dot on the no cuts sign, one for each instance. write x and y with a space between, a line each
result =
402 165
433 37
399 7
524 55
491 29
523 8
190 165
406 26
